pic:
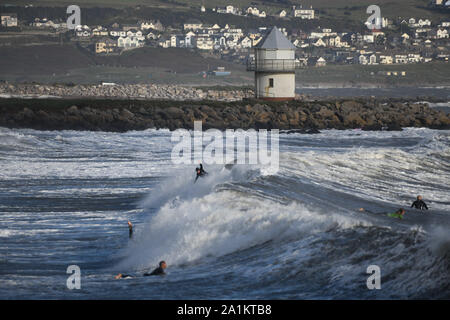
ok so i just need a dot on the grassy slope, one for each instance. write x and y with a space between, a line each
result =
56 58
68 63
390 8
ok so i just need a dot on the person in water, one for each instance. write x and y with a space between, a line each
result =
397 214
419 204
200 172
157 272
130 229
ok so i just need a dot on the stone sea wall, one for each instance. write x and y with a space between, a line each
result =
124 115
123 91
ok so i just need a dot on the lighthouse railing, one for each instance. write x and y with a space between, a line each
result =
269 65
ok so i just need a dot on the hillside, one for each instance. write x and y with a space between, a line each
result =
49 63
354 9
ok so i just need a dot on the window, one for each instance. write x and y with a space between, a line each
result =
270 82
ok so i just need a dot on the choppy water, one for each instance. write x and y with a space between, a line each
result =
65 198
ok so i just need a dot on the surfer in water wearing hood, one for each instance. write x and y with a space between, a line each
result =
419 204
157 272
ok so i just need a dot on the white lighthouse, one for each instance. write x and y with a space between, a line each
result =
274 66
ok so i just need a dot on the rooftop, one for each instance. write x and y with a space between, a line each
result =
275 39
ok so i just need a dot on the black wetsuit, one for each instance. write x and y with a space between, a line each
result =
157 272
200 172
419 204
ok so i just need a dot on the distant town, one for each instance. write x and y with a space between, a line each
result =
410 40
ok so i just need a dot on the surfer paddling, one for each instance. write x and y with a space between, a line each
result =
399 214
159 271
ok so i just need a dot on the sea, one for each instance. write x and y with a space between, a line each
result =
241 232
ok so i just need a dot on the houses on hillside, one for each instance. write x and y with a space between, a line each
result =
253 11
408 40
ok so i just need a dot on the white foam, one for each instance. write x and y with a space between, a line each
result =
220 223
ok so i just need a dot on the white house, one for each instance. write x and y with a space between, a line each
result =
401 59
151 25
303 13
204 43
231 10
165 43
175 41
322 34
189 40
369 38
414 58
192 25
319 43
363 60
282 14
134 34
117 33
9 20
442 34
246 43
100 32
386 60
367 58
424 22
253 11
128 42
83 31
321 62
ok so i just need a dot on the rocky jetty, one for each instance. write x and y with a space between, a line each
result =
122 91
308 117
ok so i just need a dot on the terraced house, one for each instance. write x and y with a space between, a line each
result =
9 20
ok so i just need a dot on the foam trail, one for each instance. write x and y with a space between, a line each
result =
217 224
